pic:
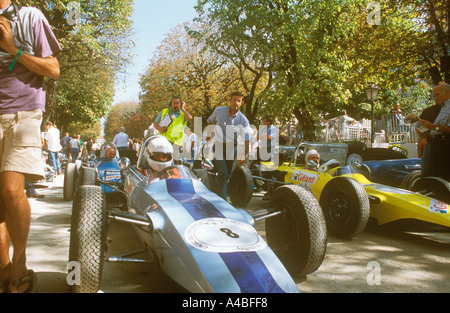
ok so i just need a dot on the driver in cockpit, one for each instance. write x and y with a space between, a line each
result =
110 153
312 160
159 155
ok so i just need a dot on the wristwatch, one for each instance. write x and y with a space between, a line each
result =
437 128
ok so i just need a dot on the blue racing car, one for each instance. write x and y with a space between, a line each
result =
200 240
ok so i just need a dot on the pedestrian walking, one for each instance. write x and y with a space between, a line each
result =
53 146
75 148
121 139
28 50
229 122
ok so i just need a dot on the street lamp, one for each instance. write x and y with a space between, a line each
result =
372 95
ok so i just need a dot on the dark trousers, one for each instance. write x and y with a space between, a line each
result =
439 156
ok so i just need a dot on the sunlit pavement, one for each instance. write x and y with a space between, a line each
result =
378 260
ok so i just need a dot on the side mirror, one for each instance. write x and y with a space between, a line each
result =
207 164
124 163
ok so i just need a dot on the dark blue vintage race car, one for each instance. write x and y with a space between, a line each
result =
199 240
106 164
396 173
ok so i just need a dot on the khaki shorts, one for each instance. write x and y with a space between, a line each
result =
20 144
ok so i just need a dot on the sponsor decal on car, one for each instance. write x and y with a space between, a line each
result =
112 177
305 177
438 207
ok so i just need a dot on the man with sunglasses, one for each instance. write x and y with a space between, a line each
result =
28 50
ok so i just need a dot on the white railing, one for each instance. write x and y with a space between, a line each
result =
390 132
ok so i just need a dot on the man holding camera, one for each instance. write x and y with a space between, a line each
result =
27 55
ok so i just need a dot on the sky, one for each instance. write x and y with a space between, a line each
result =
152 20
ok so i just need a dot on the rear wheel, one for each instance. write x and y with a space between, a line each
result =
346 207
433 187
298 235
410 179
208 179
88 237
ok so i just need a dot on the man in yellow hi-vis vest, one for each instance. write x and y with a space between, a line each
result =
172 121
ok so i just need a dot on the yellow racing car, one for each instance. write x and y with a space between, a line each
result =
347 197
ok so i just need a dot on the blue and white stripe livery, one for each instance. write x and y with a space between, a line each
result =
205 244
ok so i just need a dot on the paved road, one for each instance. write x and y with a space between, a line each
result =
378 260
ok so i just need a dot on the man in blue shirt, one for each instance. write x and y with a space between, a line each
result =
230 122
121 139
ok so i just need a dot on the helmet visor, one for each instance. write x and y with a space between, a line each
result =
161 157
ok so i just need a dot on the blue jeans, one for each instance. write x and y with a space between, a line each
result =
74 154
53 160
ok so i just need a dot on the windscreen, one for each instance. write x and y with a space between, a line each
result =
176 172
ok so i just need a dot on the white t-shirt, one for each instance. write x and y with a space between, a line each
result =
53 140
188 141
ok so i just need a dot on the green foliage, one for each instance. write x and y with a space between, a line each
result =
321 55
128 115
189 69
94 51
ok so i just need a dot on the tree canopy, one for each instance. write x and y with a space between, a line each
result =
94 36
307 59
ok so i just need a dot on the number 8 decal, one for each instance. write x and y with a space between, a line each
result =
229 233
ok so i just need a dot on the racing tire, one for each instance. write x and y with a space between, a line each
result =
298 236
240 186
88 238
346 207
208 179
69 180
89 176
78 165
410 179
433 187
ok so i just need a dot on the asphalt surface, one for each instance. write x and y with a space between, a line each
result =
380 260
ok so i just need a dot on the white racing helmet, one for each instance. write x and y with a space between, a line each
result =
310 153
159 153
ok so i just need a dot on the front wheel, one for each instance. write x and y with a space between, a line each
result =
346 207
69 181
240 186
88 237
298 235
